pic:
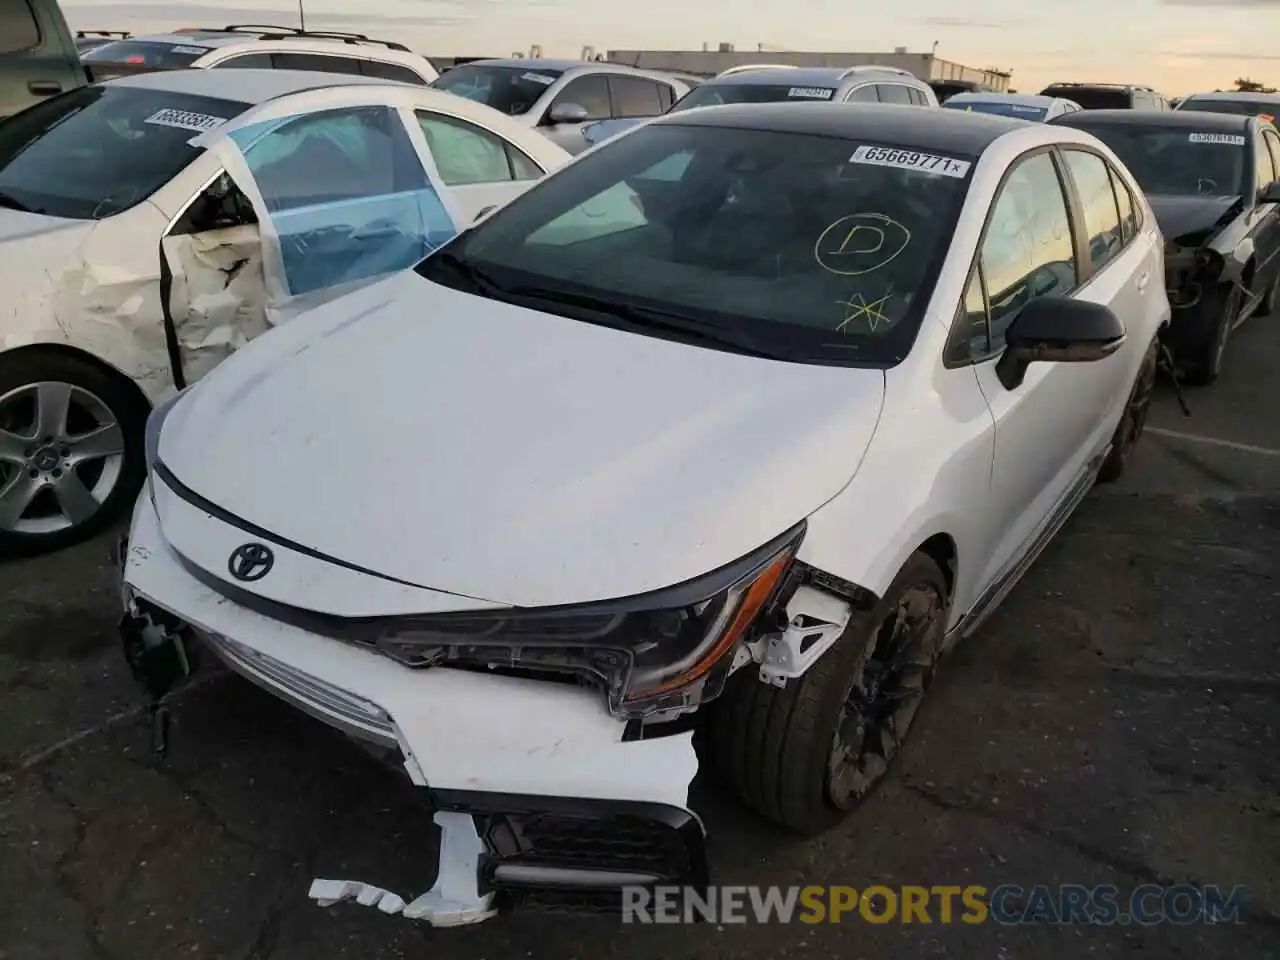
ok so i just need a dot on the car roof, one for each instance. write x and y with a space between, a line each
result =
537 63
947 131
197 38
1026 99
788 76
1242 96
1159 119
246 86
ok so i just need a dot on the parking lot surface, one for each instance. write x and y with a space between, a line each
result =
1117 721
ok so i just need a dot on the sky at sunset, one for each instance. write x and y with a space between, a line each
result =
1177 46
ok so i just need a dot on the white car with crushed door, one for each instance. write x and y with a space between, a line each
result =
153 224
743 418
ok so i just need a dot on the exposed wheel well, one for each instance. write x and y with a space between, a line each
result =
941 549
61 349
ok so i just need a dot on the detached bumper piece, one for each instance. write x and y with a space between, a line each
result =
564 855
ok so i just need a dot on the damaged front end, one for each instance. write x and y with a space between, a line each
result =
545 742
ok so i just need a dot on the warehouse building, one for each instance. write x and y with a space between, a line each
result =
708 62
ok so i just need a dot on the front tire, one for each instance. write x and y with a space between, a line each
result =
71 450
805 755
1205 365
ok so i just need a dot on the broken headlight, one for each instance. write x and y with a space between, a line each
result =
668 650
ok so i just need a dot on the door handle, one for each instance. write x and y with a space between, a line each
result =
1143 281
44 88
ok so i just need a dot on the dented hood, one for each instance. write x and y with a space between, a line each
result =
467 445
1190 221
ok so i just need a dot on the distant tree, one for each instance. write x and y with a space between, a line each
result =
1245 85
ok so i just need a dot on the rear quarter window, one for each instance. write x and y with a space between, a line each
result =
18 28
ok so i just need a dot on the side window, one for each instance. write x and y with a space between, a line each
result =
970 339
667 94
1262 161
346 193
1027 251
634 97
1273 144
1128 207
917 97
1098 202
591 93
894 93
18 27
466 154
247 61
863 94
390 71
316 62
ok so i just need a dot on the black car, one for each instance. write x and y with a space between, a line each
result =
1213 181
1264 105
1108 96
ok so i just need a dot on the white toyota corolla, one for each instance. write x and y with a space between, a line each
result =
742 418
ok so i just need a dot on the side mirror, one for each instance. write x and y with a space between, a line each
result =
1270 193
1058 330
568 113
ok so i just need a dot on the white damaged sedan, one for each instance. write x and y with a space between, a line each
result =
740 420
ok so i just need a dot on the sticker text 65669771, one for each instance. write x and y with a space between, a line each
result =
910 160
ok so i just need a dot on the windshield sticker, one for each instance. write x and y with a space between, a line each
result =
860 243
1232 139
185 120
541 78
194 51
810 93
858 307
911 160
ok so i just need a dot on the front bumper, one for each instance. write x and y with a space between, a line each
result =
566 811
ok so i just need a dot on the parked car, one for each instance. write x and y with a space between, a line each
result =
1108 96
153 224
1264 105
1211 180
558 97
770 83
740 419
261 47
1019 106
944 90
38 57
87 40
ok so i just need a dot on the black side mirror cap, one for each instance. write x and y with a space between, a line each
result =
1058 330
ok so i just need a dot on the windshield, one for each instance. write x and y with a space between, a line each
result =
99 150
1001 108
159 55
1094 98
511 90
1177 162
716 94
805 248
1240 108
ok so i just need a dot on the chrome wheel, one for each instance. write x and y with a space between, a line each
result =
61 456
882 702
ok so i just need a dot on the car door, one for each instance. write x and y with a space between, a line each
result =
36 60
479 169
1265 222
591 92
1052 427
343 193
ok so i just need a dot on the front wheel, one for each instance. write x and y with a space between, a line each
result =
1205 364
805 755
71 450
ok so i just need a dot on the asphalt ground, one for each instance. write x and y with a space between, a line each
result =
1116 722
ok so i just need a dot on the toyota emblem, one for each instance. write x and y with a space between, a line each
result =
250 562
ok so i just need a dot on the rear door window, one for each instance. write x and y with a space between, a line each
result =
591 93
247 61
1098 201
894 93
1127 205
18 27
466 154
865 94
389 71
634 97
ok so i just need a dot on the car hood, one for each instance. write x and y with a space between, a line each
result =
1189 221
467 445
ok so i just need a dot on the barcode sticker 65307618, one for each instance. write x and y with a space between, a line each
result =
911 160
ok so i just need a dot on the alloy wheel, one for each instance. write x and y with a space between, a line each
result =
61 456
882 702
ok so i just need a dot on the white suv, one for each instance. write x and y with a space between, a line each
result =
560 96
261 46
